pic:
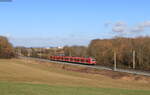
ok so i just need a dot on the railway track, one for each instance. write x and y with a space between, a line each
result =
91 66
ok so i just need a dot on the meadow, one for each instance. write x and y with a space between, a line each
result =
30 77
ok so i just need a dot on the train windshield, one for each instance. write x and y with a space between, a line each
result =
93 59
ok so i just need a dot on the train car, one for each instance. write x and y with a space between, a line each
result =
90 61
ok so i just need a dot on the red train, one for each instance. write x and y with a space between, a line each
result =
82 60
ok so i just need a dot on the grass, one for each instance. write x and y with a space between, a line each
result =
29 77
7 88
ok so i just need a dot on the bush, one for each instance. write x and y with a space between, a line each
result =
6 48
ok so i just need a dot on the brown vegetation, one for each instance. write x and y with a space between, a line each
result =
6 49
103 51
59 74
79 51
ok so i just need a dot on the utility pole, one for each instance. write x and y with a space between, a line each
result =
41 52
115 60
133 59
69 53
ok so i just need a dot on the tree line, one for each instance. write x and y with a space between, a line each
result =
127 50
6 48
103 51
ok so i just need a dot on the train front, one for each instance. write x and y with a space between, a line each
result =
93 61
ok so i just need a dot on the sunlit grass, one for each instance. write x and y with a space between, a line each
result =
8 88
28 77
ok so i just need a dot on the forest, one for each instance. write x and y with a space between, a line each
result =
103 50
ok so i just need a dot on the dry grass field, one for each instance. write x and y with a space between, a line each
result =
56 76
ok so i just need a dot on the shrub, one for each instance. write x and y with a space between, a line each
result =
6 48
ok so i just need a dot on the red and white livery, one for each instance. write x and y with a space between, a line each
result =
83 60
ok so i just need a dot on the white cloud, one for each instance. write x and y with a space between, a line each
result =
120 23
121 27
141 26
137 29
118 29
145 24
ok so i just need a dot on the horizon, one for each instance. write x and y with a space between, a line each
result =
82 45
72 22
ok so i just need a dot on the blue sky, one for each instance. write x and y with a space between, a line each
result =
69 22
